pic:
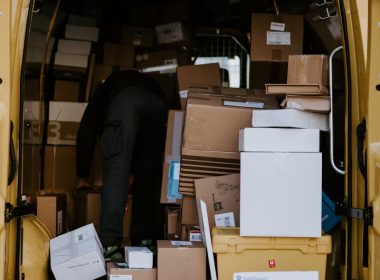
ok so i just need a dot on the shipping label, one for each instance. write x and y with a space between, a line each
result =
225 220
278 38
182 243
278 275
277 26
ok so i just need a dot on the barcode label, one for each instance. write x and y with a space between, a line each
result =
278 38
182 243
277 26
195 237
225 220
120 277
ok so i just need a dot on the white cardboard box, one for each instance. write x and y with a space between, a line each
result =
74 47
281 194
66 111
290 118
77 255
138 257
79 32
278 140
71 60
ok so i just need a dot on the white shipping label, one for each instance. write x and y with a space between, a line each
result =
278 38
184 93
248 104
195 237
182 243
120 277
225 220
59 222
288 275
277 26
177 168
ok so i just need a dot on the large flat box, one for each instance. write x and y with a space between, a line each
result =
274 38
316 104
290 118
281 194
77 255
139 257
170 176
288 140
51 210
137 36
71 60
204 74
31 171
308 69
297 89
67 91
118 54
115 271
186 261
189 214
235 253
222 197
79 32
74 47
172 222
64 120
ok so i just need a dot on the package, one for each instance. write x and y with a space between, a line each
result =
67 91
204 74
74 47
181 260
308 69
138 257
79 32
235 253
137 36
290 118
264 72
101 73
37 54
288 140
77 255
51 210
222 197
31 171
157 60
171 33
117 54
64 120
170 176
82 20
309 103
189 215
118 271
274 38
281 194
71 60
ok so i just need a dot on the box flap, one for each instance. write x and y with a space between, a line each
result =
302 89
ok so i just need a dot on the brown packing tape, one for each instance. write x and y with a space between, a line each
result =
276 54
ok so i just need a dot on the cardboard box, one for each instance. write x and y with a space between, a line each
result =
37 55
285 140
116 271
278 275
308 69
290 118
137 36
157 60
309 89
82 20
189 215
204 74
127 221
316 104
51 210
138 257
117 54
172 222
274 38
31 171
74 47
178 260
170 181
64 120
171 33
101 73
77 255
264 72
71 60
79 32
281 194
222 197
67 91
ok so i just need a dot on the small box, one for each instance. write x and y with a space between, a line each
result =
235 253
118 271
138 257
79 32
51 210
204 74
329 218
183 260
74 47
170 33
279 140
77 255
71 60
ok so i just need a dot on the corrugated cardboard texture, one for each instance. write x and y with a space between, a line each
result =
318 104
66 91
263 72
51 210
189 214
117 54
308 69
261 24
205 74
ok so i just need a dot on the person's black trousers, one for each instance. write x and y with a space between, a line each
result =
132 141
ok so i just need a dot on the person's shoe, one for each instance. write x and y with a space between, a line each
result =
112 253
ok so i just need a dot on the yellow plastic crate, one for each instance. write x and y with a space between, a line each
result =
236 253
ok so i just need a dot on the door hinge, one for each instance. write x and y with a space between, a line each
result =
12 212
365 214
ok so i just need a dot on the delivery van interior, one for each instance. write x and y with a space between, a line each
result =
254 181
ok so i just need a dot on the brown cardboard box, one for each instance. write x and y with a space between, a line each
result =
51 210
117 271
33 122
137 36
156 58
172 222
32 89
205 74
318 104
66 91
296 89
117 54
221 195
185 262
101 72
274 38
172 152
189 215
31 171
264 72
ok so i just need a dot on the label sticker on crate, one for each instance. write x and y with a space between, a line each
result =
278 38
278 275
225 220
277 26
182 243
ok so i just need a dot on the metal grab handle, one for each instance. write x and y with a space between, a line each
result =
339 171
12 153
